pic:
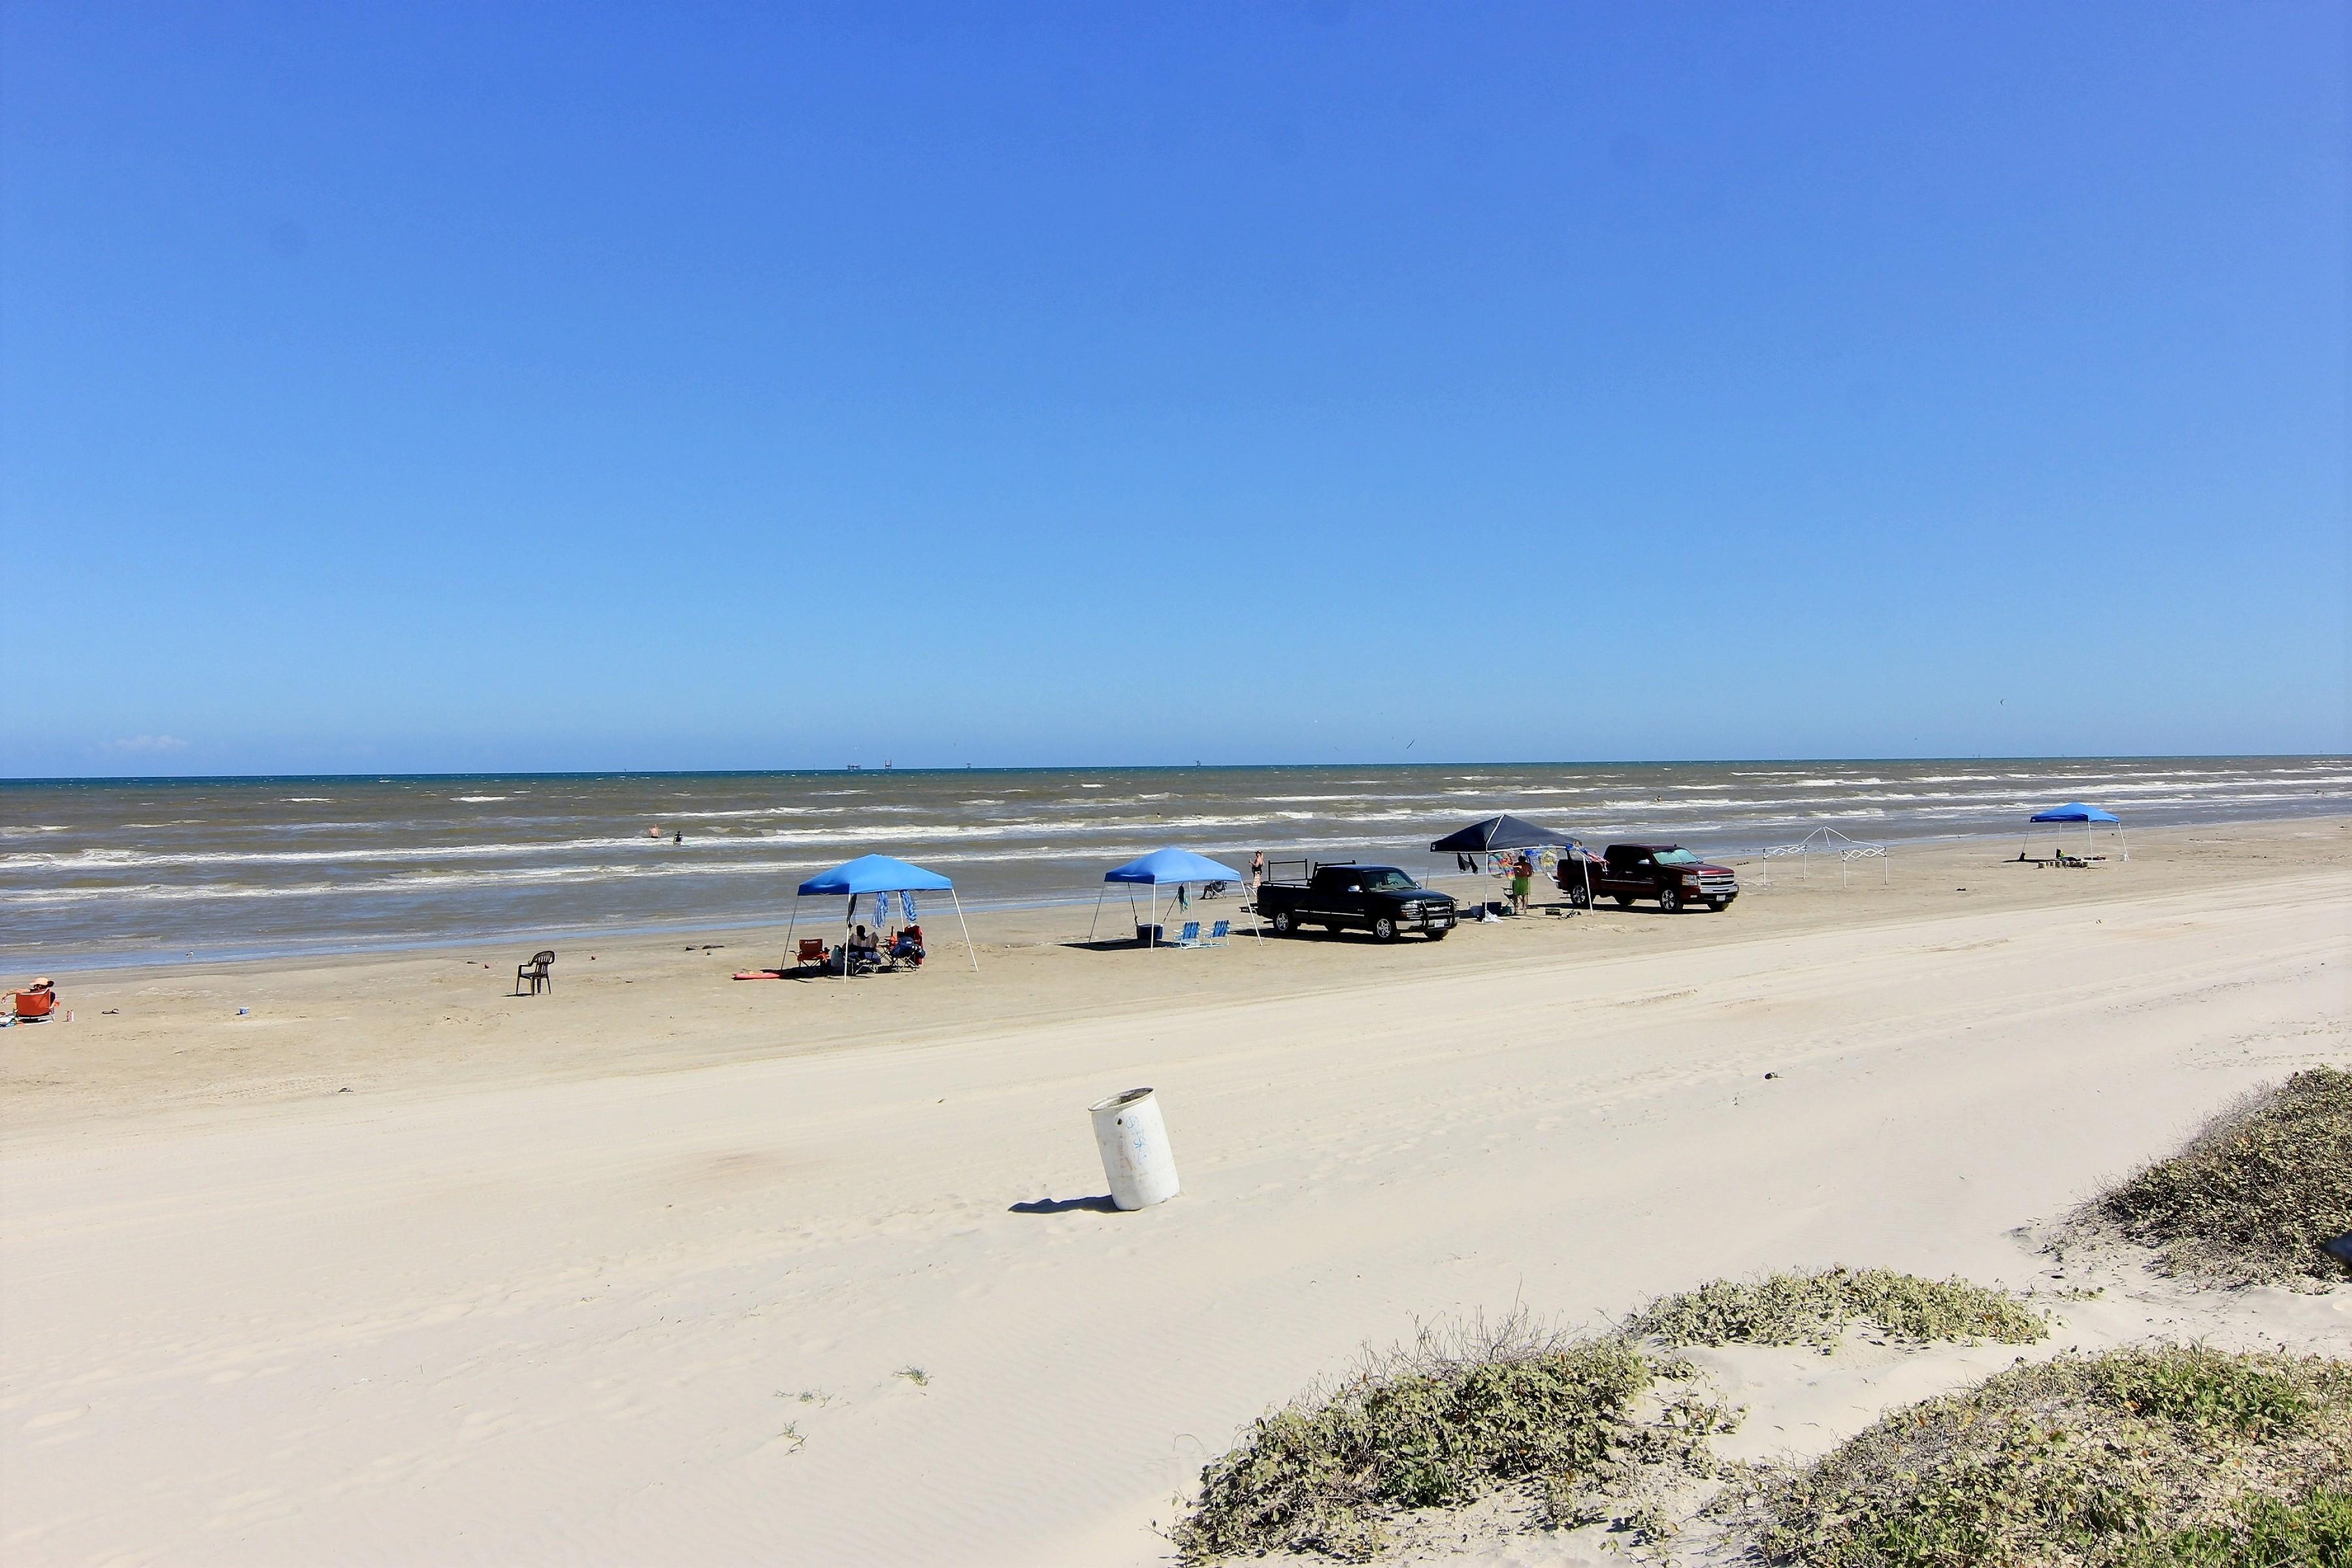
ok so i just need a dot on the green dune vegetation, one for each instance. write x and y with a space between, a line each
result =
2255 1196
1598 1428
2175 1456
1817 1307
2149 1456
1441 1424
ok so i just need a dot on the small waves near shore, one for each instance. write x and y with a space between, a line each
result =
97 871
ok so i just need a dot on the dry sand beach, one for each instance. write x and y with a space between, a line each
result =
395 1268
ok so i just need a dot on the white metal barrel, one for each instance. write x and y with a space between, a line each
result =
1135 1152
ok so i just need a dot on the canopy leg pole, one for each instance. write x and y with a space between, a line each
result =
794 925
968 952
1097 920
2123 840
1155 915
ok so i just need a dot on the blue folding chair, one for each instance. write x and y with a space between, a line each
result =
1189 936
1219 934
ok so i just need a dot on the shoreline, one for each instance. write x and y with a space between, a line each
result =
442 1020
1742 859
127 876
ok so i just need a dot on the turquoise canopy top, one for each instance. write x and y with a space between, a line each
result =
2077 812
874 874
1172 866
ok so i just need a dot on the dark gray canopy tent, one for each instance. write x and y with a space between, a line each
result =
1500 833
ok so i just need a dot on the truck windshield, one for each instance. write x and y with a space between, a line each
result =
1389 881
1675 858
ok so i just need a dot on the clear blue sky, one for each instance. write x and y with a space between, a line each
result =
434 386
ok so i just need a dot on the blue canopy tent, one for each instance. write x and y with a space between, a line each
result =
1160 868
2076 811
880 875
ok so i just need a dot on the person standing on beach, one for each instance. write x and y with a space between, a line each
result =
1523 872
1257 873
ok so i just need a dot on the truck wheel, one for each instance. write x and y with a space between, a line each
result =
1384 930
1670 902
1282 923
1576 897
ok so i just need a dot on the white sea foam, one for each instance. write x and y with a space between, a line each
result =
574 852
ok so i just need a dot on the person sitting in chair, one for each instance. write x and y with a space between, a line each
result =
862 949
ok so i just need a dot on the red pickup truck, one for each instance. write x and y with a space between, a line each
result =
1666 872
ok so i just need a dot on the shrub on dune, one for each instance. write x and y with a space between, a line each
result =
1441 1424
2255 1196
2153 1456
1816 1309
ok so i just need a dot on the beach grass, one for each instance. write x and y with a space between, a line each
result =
1441 1424
1817 1307
2173 1455
2255 1195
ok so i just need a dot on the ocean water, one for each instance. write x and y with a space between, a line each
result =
112 871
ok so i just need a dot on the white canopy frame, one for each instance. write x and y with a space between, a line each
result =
1256 928
1493 861
849 920
2090 839
1499 862
1824 841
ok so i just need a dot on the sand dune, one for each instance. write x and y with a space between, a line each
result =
643 1272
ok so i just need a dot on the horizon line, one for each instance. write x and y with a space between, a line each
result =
845 770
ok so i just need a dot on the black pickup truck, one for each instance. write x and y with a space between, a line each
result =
1378 899
1666 872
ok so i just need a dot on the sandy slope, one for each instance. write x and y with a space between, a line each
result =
520 1297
